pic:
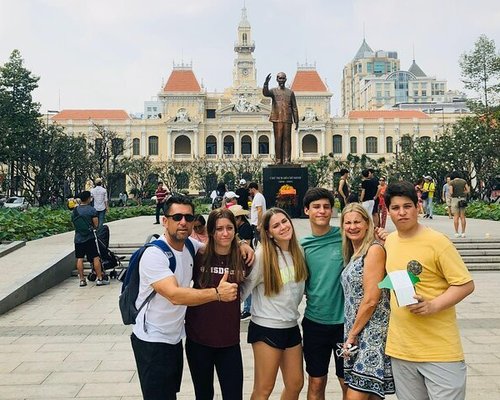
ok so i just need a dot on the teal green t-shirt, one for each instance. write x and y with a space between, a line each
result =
324 294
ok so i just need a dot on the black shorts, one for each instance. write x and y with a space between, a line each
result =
275 337
320 341
87 248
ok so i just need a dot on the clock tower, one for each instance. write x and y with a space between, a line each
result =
244 72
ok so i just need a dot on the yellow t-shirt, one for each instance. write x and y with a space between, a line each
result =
430 338
430 187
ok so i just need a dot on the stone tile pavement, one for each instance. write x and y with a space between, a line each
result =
69 342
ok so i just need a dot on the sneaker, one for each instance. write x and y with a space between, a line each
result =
457 234
83 282
430 216
463 234
156 223
100 282
425 215
245 316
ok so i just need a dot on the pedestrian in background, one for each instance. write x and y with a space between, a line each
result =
100 196
161 196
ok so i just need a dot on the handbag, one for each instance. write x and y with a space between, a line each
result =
462 203
424 195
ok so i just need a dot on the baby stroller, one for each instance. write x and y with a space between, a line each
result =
109 260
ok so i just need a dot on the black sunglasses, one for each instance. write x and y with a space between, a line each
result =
178 217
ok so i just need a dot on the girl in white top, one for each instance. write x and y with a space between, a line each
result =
277 283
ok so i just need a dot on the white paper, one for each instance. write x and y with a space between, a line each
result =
403 287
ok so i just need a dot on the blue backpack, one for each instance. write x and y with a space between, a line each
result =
130 286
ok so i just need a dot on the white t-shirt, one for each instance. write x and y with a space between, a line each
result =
257 201
100 197
160 320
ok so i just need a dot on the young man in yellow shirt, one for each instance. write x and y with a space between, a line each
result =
423 338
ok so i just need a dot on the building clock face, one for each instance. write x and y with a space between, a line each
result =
245 71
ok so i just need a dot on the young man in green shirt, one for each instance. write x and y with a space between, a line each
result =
323 323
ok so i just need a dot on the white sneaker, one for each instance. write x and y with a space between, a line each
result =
101 282
457 234
463 234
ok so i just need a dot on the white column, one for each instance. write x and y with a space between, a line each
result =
322 148
169 144
220 145
237 144
346 143
144 143
196 139
255 143
381 139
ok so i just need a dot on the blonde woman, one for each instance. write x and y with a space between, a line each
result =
367 370
277 283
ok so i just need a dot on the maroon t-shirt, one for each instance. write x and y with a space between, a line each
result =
214 324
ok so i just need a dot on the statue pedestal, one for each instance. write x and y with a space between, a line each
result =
280 181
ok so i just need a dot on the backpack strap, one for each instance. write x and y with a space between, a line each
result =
162 245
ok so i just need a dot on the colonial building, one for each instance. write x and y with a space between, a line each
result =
184 121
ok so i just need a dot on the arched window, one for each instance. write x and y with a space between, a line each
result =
371 145
182 145
211 145
309 144
136 147
406 143
228 145
337 144
117 146
246 145
153 145
353 142
389 145
263 144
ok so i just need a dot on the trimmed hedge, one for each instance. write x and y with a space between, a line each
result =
37 223
475 209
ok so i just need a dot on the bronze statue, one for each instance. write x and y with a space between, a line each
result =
283 113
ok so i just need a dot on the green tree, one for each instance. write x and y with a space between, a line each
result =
481 73
320 172
19 116
105 150
138 171
203 171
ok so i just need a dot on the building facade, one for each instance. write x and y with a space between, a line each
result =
185 122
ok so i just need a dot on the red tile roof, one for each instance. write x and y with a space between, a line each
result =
182 80
388 114
91 114
308 81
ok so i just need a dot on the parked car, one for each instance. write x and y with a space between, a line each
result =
19 203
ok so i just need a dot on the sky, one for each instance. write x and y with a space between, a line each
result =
115 54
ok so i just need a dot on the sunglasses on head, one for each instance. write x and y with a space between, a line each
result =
178 217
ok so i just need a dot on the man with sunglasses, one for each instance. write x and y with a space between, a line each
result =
159 329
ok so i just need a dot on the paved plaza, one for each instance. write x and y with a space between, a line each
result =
69 342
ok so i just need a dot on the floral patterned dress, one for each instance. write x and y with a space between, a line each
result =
369 370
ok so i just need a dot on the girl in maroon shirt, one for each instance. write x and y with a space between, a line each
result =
213 329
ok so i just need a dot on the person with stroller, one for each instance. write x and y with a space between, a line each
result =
213 329
85 220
